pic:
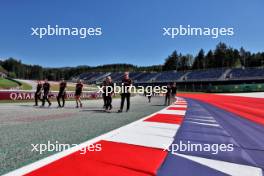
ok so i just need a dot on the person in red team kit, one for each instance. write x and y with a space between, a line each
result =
173 92
46 91
168 96
78 93
103 86
38 93
109 93
126 84
62 93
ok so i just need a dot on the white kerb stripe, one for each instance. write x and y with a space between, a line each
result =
159 125
145 140
174 112
178 106
150 130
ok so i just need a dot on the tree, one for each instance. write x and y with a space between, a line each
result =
12 75
35 72
236 60
220 55
2 70
199 61
185 62
171 63
209 59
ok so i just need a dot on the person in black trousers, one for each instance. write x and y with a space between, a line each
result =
62 93
148 95
126 84
173 92
168 95
78 94
108 94
38 93
46 90
103 86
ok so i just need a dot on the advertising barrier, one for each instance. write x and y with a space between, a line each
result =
30 95
236 88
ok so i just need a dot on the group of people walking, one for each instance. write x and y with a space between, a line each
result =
43 93
108 92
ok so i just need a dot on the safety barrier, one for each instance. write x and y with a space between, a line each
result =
21 95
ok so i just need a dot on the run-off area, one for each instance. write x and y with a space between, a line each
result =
21 125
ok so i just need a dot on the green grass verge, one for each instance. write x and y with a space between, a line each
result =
25 86
10 84
7 84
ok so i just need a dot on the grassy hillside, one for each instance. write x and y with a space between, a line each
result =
12 84
7 84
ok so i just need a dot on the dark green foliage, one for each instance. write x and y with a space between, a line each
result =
222 56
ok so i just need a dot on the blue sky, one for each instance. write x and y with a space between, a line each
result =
132 29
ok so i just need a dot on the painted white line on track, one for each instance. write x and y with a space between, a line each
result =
225 167
205 124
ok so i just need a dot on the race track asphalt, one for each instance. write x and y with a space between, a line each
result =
21 125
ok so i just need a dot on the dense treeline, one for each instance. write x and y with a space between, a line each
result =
221 56
16 69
